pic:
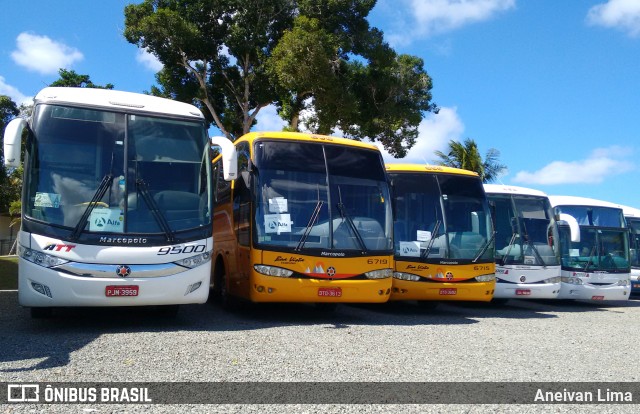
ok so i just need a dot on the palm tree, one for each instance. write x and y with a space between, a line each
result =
467 157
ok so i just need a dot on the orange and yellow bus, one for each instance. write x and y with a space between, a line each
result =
443 234
307 220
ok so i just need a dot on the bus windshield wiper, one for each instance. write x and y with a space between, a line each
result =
345 216
143 188
484 247
97 196
312 221
593 249
434 235
532 245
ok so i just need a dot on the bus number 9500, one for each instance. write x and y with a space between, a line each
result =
192 248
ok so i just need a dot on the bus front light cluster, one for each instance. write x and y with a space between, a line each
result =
195 261
555 279
572 280
379 274
406 276
273 271
39 258
42 289
623 282
486 278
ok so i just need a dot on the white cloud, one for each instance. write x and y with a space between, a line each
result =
149 60
43 55
13 93
269 120
435 132
600 164
621 14
438 16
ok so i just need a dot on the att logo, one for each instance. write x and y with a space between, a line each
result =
59 247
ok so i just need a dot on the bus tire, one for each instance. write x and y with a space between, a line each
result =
41 313
220 289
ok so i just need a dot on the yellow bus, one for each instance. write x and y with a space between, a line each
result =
307 220
443 235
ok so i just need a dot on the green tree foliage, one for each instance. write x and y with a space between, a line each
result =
72 79
467 157
315 57
9 188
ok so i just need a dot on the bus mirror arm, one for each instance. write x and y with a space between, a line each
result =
12 141
229 157
573 226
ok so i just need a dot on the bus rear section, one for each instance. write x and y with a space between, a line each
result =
594 247
527 252
307 220
443 235
116 201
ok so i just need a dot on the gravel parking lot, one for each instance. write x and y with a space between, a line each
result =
521 341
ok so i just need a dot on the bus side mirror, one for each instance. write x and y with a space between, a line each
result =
12 141
573 226
229 157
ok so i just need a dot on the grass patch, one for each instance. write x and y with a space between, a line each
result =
8 272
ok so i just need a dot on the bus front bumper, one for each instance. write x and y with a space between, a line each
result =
282 289
44 287
445 291
590 292
527 290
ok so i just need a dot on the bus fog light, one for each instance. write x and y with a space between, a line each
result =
193 287
42 289
260 289
379 274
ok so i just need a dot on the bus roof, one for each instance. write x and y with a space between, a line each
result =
512 189
580 201
301 136
630 211
438 169
116 100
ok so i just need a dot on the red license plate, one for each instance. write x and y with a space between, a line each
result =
332 292
449 291
125 290
523 292
597 297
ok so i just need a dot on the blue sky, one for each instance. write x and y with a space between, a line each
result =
553 85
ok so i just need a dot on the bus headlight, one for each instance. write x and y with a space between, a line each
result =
379 274
39 258
486 278
555 279
273 271
571 280
195 261
406 276
623 282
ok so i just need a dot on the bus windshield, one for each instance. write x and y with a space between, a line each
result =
524 230
320 196
634 227
599 249
441 216
94 171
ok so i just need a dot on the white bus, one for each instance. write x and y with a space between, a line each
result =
632 216
594 246
527 252
116 201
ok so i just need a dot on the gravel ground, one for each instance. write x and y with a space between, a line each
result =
531 341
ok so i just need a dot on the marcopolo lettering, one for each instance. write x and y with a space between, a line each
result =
123 240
